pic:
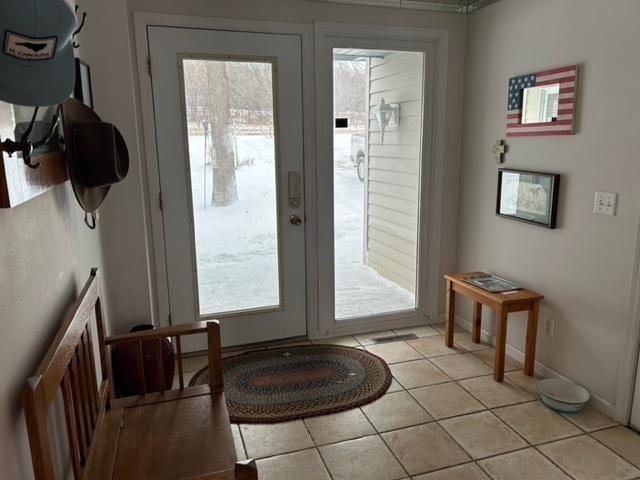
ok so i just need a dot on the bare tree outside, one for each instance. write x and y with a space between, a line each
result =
350 78
231 98
225 191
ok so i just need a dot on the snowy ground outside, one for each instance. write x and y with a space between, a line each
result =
360 290
237 245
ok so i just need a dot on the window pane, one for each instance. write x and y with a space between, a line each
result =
377 159
229 110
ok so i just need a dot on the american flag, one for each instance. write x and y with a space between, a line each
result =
563 124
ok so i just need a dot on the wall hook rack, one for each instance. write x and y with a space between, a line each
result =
80 27
25 145
41 151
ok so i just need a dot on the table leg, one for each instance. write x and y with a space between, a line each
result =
501 343
477 321
532 334
451 312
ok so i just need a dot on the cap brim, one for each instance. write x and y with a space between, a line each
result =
38 83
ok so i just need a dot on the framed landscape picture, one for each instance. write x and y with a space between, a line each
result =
530 197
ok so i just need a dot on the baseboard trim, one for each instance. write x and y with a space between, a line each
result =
541 369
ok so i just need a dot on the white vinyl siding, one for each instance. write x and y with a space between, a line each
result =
393 179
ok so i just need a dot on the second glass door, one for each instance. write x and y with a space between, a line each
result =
377 157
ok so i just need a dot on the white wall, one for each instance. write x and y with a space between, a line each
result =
46 256
106 47
47 252
128 252
585 267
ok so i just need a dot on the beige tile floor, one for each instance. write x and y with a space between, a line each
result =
444 418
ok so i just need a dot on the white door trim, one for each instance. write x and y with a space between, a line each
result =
630 362
154 224
433 152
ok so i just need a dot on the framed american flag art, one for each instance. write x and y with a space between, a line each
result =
542 103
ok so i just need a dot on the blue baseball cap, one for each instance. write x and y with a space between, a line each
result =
36 55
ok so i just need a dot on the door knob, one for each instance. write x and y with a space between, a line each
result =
295 219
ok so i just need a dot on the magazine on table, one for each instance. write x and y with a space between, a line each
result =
493 284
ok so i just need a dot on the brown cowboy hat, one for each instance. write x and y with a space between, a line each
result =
96 154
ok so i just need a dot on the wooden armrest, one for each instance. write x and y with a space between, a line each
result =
214 347
162 332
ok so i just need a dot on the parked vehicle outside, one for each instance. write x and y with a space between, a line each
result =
358 156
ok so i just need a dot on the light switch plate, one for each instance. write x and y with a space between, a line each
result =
605 203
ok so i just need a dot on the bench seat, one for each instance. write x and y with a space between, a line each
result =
181 434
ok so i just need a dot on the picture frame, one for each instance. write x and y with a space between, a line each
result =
526 196
543 103
82 90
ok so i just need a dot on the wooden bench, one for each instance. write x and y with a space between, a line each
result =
166 435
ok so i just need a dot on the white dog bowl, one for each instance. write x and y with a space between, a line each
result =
563 396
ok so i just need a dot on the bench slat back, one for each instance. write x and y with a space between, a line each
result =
69 366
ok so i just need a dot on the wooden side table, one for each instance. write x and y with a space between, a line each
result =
503 304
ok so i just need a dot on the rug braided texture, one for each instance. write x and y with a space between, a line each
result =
290 383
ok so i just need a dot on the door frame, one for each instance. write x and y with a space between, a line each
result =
154 222
630 363
427 40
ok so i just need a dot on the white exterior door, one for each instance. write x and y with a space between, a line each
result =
228 125
635 412
373 223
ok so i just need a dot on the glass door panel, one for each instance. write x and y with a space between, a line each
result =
223 175
230 124
376 175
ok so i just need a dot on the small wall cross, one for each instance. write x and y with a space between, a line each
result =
499 150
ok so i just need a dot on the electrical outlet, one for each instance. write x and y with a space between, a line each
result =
549 326
605 203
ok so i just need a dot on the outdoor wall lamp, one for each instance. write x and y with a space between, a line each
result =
388 117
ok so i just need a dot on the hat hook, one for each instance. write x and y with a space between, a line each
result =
80 27
25 145
55 121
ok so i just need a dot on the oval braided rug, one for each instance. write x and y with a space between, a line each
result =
289 383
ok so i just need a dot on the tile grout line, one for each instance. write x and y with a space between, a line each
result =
244 446
486 472
317 448
553 462
463 351
487 409
583 432
589 434
528 445
394 455
433 420
485 405
472 460
491 409
376 433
